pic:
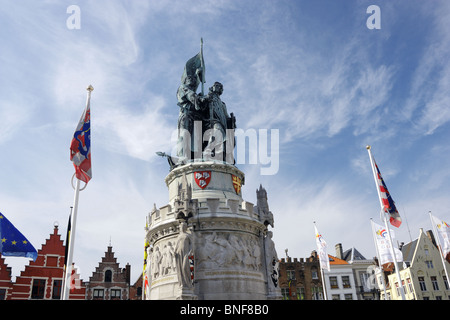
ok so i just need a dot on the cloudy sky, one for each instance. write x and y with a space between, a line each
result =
312 70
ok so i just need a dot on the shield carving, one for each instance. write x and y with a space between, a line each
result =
236 183
202 178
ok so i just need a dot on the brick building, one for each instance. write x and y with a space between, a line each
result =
301 279
41 279
109 281
6 284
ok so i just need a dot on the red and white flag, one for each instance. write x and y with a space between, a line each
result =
80 147
387 204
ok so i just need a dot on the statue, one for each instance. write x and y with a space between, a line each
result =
188 102
183 250
202 120
272 263
216 123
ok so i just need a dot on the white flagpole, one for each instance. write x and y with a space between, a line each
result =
68 275
379 259
439 247
394 257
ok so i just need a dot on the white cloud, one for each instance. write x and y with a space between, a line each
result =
428 104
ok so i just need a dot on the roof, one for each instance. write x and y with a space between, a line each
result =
336 261
408 250
352 255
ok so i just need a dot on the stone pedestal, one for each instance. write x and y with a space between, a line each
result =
225 238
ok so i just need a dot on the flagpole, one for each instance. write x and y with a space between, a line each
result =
379 259
73 221
439 247
71 242
394 257
203 67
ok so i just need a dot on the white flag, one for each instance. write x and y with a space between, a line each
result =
383 244
322 251
443 234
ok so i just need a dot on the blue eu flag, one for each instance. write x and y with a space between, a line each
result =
13 242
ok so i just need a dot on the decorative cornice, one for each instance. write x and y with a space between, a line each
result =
210 165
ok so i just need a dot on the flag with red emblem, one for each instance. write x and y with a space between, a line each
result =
80 147
386 199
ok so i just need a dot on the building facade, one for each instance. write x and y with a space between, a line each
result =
42 279
339 281
109 281
301 279
363 273
422 272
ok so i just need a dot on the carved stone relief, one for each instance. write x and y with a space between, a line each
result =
223 250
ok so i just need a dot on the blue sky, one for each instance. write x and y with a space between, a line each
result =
310 69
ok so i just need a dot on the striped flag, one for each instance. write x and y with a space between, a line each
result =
386 201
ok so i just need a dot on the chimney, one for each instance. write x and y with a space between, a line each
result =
431 237
339 253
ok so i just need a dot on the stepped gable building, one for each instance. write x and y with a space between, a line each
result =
109 281
6 284
422 273
42 279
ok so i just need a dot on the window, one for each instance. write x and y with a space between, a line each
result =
98 294
410 286
285 293
336 297
333 283
108 276
346 282
367 281
57 285
314 274
348 296
398 289
403 286
115 294
445 282
434 283
37 292
429 264
317 293
423 287
2 294
301 293
290 274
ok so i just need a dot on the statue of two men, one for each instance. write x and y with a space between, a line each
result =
206 116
